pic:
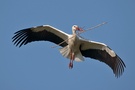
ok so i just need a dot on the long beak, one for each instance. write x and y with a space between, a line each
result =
80 29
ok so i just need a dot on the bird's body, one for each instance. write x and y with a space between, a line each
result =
72 50
73 46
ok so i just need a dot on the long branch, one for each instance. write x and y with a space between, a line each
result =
93 27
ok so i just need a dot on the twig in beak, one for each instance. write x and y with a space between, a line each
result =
92 27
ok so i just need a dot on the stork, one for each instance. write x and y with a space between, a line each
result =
74 47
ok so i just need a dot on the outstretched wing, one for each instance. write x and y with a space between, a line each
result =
104 54
40 33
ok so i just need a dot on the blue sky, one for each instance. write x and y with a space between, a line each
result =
37 66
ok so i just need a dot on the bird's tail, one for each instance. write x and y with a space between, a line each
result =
79 57
65 51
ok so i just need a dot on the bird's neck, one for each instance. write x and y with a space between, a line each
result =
74 32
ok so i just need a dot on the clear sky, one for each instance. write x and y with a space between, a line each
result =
37 66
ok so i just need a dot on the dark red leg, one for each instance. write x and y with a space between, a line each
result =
72 57
71 64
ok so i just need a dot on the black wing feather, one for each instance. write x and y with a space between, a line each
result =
25 36
116 63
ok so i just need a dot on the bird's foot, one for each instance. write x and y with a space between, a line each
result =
70 65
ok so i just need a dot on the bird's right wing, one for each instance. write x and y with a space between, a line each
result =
40 33
102 52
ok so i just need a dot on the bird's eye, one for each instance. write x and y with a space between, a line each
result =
75 26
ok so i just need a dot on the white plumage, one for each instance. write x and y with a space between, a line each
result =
73 46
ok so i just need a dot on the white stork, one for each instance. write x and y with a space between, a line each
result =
73 46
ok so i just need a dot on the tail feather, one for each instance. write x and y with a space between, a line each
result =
79 57
65 51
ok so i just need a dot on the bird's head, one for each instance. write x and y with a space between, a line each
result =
76 28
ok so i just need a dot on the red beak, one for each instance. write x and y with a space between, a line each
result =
79 29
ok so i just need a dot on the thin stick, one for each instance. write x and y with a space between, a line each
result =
93 27
61 42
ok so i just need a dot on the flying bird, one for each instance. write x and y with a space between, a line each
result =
72 45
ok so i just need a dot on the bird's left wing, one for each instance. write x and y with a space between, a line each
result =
102 52
40 33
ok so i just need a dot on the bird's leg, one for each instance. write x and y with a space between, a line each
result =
70 65
72 57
